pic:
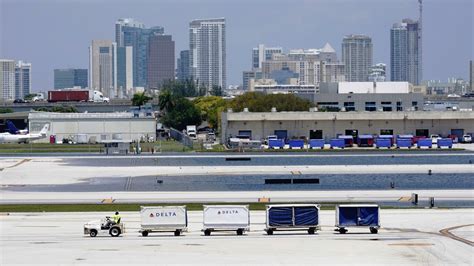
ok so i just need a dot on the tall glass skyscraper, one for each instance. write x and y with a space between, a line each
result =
22 79
182 71
405 52
129 32
207 51
70 77
357 57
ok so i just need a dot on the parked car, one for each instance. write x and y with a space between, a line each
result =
466 138
435 138
19 101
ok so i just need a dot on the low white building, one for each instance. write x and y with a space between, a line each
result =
327 125
93 127
374 87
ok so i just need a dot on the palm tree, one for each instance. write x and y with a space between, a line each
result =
140 99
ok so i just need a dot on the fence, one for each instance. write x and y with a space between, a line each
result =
182 138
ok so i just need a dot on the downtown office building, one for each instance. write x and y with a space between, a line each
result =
405 52
70 77
129 32
207 52
103 67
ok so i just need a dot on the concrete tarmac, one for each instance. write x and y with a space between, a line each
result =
407 237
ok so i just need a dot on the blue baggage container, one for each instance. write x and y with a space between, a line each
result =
390 137
337 143
348 140
404 143
445 143
292 217
428 143
276 143
316 143
296 143
357 215
383 143
365 140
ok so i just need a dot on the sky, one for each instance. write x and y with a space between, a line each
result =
57 33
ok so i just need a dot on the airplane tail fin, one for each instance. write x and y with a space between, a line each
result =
12 128
45 129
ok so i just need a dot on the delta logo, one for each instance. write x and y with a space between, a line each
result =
226 212
162 214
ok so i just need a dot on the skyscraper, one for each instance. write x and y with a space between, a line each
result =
182 71
22 79
357 57
7 79
129 32
160 60
207 51
405 52
262 53
70 77
125 68
103 67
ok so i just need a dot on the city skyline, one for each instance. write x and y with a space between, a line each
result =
440 62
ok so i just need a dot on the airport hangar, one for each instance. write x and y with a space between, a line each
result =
94 127
327 125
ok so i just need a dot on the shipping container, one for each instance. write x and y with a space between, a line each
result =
226 218
68 96
163 219
292 217
357 215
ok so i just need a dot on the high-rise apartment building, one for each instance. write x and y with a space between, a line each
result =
207 51
405 52
262 53
22 79
70 77
377 72
125 68
103 67
161 67
7 79
129 32
310 66
182 71
357 57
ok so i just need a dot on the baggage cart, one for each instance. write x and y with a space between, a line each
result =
163 219
285 217
226 218
357 215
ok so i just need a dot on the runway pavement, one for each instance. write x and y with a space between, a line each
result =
393 196
407 237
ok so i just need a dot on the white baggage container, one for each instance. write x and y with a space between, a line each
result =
163 219
226 218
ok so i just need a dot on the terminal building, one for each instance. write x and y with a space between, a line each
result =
93 127
328 125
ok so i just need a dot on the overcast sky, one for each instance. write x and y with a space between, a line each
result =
56 34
